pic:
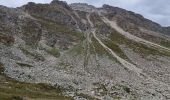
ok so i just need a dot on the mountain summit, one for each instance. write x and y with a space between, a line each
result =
58 51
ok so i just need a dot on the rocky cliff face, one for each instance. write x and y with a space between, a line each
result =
126 18
167 30
78 51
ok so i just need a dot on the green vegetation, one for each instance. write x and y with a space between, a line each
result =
117 98
102 51
65 65
78 49
140 48
127 89
14 90
116 39
165 43
56 27
159 40
101 87
145 50
115 47
28 51
54 51
121 87
24 65
98 48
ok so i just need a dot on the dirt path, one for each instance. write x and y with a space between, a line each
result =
122 61
126 64
132 37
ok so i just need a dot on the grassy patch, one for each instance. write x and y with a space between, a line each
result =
14 90
102 51
140 48
127 89
115 47
98 48
54 51
77 49
65 65
122 87
116 39
165 43
32 52
55 27
100 87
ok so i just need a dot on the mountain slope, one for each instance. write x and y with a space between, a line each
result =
82 52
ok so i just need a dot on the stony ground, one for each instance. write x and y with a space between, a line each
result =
62 52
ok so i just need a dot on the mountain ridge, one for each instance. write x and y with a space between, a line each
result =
82 52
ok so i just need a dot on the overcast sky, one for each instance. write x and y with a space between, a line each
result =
156 10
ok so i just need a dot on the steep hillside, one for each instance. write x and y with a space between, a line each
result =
58 51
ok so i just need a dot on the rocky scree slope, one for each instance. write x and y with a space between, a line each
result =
82 52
